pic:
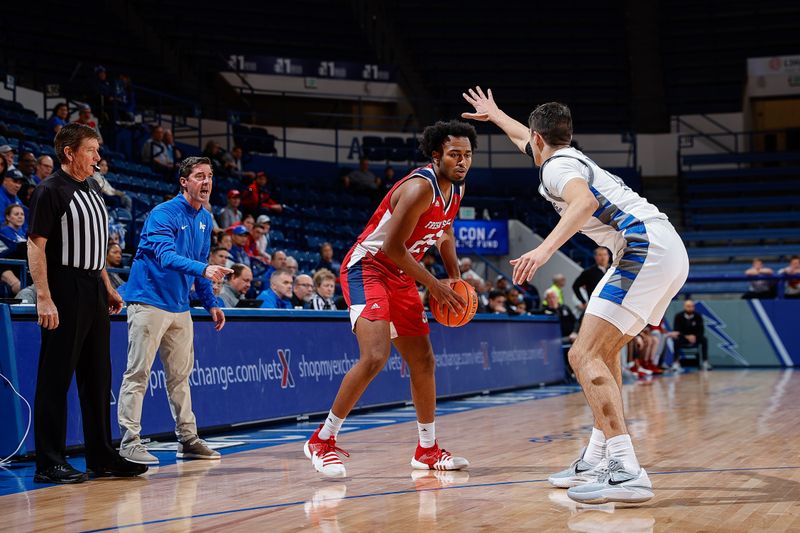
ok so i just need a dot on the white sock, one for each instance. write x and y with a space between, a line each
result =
596 449
331 426
621 448
427 434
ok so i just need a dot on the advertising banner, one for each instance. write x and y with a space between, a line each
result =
483 237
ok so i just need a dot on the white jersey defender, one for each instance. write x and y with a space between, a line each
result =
650 261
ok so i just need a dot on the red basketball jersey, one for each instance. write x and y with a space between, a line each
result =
429 229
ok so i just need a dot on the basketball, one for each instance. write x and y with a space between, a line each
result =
446 317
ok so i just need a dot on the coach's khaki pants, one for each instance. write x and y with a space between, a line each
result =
172 334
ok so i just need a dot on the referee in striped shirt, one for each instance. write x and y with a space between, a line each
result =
66 252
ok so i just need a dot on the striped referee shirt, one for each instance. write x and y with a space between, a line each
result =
72 216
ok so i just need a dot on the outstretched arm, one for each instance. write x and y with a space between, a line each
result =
486 110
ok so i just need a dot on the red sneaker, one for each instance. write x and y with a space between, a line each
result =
437 459
324 455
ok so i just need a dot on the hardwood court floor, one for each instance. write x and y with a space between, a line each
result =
722 449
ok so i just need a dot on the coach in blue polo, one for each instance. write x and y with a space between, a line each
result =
172 255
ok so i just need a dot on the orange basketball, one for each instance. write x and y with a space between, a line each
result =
445 316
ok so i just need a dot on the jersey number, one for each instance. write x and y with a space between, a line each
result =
422 245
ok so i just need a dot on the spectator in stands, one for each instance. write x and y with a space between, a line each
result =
59 118
214 152
7 153
169 140
326 259
102 94
248 221
13 230
225 241
302 290
759 288
219 256
362 179
156 153
567 320
292 266
112 196
238 251
114 260
465 267
559 281
124 99
231 214
44 167
12 183
261 234
430 264
27 165
586 282
689 332
85 118
388 177
279 294
324 287
237 285
257 197
235 165
515 302
497 303
792 287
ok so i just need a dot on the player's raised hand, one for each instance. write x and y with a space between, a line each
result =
485 108
216 272
527 264
444 294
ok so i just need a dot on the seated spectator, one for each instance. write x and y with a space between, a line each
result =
257 197
261 234
689 332
238 251
256 247
225 241
124 99
102 94
501 283
431 265
85 118
112 196
27 165
465 267
219 256
169 141
515 302
324 287
292 266
214 152
235 166
326 259
302 291
559 280
792 287
566 318
249 222
279 293
13 232
58 119
585 283
44 167
362 179
388 178
7 154
230 214
114 260
237 285
759 288
12 183
156 153
497 303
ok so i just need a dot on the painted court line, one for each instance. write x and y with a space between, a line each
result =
410 491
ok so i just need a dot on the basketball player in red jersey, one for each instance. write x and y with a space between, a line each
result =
378 281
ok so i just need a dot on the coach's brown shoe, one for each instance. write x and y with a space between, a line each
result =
196 448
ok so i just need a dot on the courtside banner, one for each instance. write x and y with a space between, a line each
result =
275 364
484 237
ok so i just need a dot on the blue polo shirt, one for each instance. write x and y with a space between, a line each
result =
271 300
172 254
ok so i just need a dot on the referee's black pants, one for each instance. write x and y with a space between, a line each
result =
80 346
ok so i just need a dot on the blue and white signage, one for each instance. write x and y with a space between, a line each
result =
485 237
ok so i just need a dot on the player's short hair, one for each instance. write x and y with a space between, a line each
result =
434 137
553 121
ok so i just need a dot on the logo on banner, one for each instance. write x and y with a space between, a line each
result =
287 380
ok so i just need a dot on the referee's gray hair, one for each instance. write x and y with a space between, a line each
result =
188 164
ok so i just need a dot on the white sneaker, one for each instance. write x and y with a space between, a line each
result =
579 473
615 484
324 455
